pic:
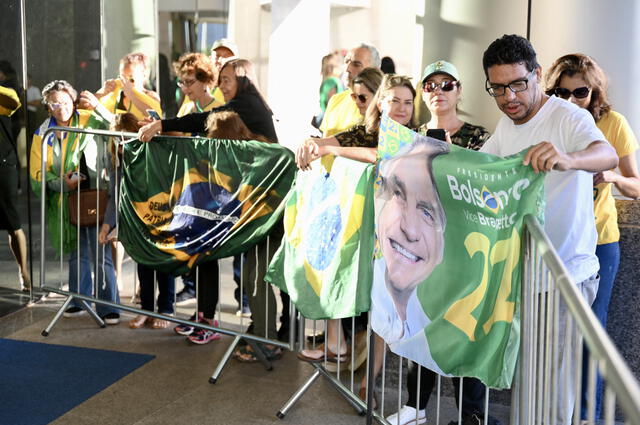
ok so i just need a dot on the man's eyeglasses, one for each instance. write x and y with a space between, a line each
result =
186 83
430 86
516 86
362 98
579 93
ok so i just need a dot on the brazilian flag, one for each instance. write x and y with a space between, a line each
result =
184 200
325 260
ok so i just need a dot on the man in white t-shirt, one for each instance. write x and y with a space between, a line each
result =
566 143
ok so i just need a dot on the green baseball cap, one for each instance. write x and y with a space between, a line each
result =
440 67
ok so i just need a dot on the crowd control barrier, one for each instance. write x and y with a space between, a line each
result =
235 328
556 322
554 314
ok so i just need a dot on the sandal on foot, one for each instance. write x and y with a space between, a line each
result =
246 354
319 357
159 323
138 322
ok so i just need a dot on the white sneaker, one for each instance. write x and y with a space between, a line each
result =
407 416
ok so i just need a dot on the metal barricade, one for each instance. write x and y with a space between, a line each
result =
555 320
235 328
553 310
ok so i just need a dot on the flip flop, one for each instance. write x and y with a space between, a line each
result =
331 356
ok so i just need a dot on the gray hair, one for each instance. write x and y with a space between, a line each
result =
58 85
375 56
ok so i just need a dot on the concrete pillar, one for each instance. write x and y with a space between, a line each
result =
130 26
623 324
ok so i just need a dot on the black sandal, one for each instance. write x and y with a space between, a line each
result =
246 354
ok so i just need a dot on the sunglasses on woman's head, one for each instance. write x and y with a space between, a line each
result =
579 93
362 98
447 85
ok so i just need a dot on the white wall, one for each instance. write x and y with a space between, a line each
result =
129 27
459 31
605 30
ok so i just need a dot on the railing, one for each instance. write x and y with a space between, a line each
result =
237 329
555 320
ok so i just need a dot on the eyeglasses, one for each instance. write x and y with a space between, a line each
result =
579 93
362 98
55 106
516 86
430 86
186 83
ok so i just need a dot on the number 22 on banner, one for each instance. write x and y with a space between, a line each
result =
507 251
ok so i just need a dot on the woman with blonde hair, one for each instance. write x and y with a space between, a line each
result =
579 79
360 141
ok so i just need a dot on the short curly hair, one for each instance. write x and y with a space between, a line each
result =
197 63
510 49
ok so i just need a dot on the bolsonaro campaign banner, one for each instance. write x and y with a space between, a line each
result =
447 259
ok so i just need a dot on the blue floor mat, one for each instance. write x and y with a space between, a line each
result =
40 382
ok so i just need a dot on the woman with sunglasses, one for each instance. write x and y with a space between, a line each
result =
360 141
364 86
441 90
579 79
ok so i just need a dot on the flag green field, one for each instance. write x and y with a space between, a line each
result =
184 201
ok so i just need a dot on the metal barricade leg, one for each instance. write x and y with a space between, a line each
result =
225 358
57 317
297 395
93 313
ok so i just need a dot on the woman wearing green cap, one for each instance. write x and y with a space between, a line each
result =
441 90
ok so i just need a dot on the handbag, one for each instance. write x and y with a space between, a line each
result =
91 208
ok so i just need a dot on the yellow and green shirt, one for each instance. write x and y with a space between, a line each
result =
342 113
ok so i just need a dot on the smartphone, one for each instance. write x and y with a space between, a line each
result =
153 114
76 175
437 133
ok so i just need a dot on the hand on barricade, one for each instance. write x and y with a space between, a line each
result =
150 129
307 152
104 236
87 100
